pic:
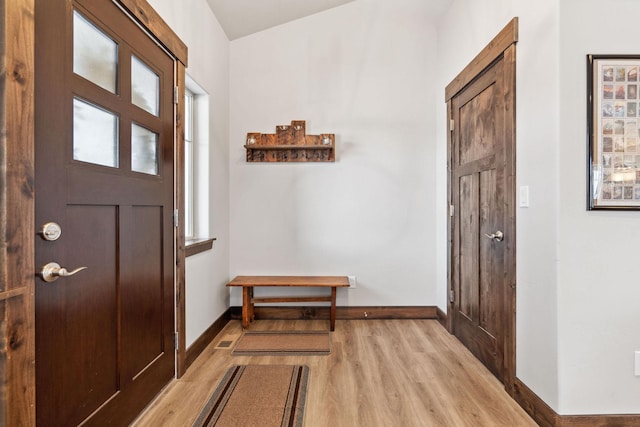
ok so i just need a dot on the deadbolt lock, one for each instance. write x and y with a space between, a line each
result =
50 231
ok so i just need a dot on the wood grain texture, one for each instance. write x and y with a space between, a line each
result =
499 44
116 350
386 312
315 281
598 421
477 131
181 252
151 20
17 141
478 113
198 346
17 342
290 143
343 313
332 312
196 246
545 416
249 282
442 318
535 407
380 373
468 241
291 299
481 147
451 253
509 197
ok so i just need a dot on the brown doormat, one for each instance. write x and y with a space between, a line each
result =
281 343
257 395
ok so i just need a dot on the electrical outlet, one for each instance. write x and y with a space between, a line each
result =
637 364
352 281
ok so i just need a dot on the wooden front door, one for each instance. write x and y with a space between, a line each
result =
483 220
104 148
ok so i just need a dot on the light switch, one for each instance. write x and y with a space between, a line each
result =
524 196
637 364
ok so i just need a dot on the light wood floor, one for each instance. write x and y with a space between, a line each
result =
380 373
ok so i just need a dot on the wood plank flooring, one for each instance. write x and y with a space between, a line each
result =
379 373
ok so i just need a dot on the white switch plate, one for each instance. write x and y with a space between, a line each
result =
524 196
352 281
637 364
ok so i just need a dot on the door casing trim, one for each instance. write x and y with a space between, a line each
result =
17 210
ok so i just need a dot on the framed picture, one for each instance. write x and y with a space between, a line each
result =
613 115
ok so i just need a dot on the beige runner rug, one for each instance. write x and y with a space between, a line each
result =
257 395
283 343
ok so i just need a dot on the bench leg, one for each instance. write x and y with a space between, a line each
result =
252 315
246 301
332 319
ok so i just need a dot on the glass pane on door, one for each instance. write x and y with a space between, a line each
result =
95 55
144 150
95 134
145 86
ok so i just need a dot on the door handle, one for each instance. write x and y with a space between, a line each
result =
52 271
498 236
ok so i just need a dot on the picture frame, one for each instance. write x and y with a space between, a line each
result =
613 117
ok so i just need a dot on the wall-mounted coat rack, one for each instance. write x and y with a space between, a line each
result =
290 143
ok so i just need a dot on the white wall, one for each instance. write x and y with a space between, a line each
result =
577 320
208 272
466 29
374 73
364 71
599 290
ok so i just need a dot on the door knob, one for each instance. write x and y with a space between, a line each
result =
52 271
498 236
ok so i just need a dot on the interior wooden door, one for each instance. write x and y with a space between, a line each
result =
105 175
483 223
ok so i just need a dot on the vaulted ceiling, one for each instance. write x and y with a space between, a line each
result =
243 17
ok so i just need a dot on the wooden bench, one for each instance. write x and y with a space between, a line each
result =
249 282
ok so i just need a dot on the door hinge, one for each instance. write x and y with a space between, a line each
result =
175 94
452 125
175 218
452 295
452 210
176 340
